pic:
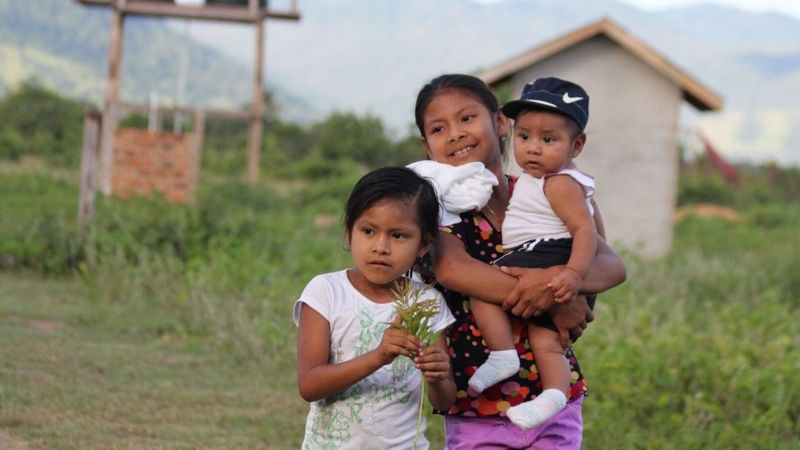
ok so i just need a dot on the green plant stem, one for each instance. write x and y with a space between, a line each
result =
419 415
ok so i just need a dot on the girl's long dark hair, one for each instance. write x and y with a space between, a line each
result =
398 183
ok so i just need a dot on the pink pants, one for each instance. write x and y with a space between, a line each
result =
562 431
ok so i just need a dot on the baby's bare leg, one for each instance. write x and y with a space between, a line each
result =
553 369
494 325
495 329
551 363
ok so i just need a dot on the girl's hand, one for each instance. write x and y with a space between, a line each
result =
434 362
566 285
532 295
571 318
396 343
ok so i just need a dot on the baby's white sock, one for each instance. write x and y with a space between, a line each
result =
544 406
500 365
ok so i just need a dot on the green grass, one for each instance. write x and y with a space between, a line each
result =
70 383
701 349
172 327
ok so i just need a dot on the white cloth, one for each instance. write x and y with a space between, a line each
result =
380 411
460 188
529 215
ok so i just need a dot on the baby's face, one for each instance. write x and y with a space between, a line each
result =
545 142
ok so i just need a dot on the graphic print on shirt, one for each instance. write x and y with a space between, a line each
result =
358 405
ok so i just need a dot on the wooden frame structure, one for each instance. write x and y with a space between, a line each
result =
242 11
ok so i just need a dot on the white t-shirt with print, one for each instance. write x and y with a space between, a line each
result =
380 411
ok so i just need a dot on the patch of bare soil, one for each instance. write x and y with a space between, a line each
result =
11 443
325 220
708 211
48 326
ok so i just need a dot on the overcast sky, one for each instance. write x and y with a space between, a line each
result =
791 7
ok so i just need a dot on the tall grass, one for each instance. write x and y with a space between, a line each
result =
227 267
700 349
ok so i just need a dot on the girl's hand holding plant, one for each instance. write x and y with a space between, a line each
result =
397 342
414 317
434 362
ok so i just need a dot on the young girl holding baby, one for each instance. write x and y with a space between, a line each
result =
460 122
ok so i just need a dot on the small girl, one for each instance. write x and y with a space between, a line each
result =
549 221
362 395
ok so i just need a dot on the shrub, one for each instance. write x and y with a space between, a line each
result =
699 188
35 121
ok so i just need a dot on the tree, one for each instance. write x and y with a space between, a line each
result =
36 121
347 136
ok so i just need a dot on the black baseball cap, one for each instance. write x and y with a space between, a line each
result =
552 94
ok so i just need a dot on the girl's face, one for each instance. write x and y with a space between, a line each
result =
459 129
545 142
385 242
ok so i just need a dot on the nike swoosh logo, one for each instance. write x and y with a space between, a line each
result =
567 99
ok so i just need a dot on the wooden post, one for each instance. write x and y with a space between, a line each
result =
111 111
91 134
153 120
256 111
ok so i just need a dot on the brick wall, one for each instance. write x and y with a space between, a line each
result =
154 161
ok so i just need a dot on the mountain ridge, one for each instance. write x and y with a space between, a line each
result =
50 35
372 57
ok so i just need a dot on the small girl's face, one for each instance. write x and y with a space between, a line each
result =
545 142
385 241
459 129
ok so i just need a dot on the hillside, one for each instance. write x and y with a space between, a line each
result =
373 56
396 46
65 46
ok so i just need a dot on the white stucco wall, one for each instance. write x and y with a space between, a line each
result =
631 148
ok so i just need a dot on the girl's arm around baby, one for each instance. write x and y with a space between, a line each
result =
317 378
